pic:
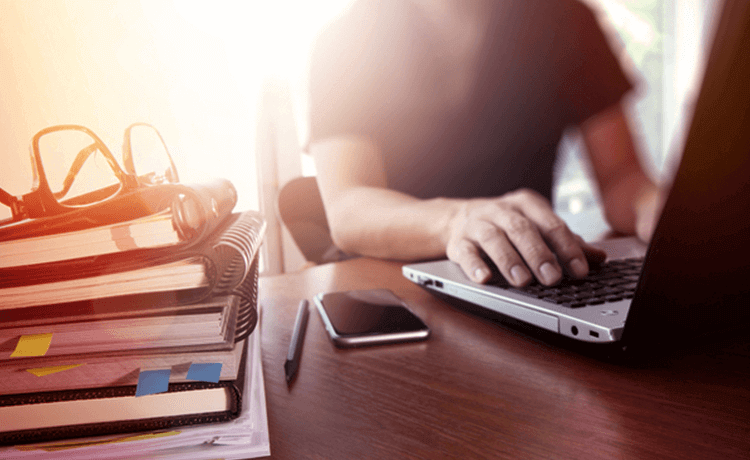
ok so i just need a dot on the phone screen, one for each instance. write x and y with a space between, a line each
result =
369 313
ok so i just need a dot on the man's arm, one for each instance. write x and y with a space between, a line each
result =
518 231
365 216
632 202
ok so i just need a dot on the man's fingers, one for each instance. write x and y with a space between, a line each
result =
494 242
467 256
556 234
527 240
566 246
594 255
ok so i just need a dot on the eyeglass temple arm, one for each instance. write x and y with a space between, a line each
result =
75 168
78 163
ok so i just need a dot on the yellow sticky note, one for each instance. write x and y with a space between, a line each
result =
42 371
32 345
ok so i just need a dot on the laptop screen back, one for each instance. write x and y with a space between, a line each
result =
698 265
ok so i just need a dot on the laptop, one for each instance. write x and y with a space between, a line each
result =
693 279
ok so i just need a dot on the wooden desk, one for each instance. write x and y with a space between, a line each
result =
480 389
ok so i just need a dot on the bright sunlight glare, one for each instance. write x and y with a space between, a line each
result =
274 36
261 39
191 68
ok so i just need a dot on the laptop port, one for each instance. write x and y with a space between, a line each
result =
424 281
439 284
574 330
594 334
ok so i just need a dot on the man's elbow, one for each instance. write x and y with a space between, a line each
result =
620 219
622 197
344 234
342 240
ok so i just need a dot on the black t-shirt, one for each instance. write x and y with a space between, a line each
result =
545 65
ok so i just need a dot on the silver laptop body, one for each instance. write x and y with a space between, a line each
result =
602 322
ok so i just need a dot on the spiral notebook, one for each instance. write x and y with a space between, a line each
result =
216 265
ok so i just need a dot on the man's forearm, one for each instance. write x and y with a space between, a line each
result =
632 204
384 223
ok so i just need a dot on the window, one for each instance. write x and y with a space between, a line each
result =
663 46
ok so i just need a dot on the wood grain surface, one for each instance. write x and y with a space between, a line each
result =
479 388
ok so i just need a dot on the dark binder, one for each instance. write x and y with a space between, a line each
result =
35 403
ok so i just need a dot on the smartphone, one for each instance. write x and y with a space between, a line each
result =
369 317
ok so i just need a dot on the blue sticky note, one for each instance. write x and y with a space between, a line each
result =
209 372
152 382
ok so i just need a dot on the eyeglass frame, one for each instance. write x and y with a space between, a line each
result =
42 202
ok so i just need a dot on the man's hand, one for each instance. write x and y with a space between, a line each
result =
522 236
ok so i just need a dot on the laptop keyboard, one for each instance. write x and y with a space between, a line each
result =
611 281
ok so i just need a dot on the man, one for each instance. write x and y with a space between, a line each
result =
435 125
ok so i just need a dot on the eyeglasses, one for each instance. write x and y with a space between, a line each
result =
74 169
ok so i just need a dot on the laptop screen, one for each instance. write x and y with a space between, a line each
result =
697 276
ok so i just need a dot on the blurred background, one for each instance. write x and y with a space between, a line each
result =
224 82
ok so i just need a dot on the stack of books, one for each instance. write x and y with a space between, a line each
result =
134 332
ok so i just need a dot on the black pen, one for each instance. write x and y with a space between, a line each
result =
295 346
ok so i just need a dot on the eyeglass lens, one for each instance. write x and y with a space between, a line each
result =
76 168
150 156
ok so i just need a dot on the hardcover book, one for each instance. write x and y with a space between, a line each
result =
243 437
216 265
55 415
